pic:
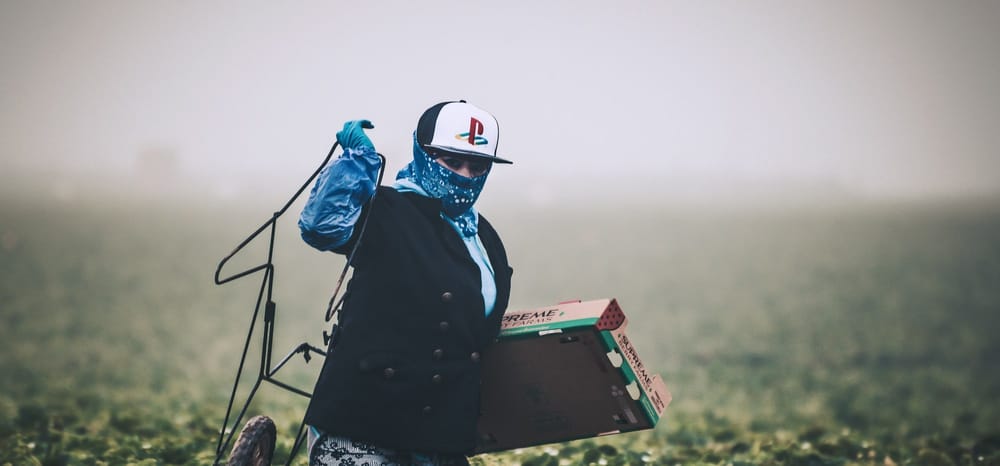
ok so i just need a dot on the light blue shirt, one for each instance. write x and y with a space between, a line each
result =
472 243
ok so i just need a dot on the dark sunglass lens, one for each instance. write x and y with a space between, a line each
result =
478 167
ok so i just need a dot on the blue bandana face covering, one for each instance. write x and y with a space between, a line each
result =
456 192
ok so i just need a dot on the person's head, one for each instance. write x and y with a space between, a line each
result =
460 137
454 149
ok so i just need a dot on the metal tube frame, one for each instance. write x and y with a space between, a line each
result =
266 371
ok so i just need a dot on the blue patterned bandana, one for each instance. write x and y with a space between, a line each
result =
456 192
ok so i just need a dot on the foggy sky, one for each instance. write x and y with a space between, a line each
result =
892 98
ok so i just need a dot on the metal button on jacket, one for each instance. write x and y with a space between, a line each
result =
444 325
446 296
427 410
436 378
474 356
389 372
438 354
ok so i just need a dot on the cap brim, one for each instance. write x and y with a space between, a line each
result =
467 153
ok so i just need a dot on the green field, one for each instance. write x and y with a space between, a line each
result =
866 334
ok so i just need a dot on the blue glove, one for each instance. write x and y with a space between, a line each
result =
353 135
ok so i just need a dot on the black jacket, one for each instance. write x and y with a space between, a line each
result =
404 372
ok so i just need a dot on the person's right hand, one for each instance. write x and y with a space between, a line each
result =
353 135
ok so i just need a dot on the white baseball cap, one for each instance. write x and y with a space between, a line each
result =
459 129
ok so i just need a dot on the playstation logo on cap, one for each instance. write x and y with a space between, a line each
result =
460 129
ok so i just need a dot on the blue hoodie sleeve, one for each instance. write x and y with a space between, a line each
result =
337 198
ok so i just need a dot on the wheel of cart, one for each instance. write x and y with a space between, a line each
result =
256 443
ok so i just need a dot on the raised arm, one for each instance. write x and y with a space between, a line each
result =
341 190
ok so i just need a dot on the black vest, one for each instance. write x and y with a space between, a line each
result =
404 372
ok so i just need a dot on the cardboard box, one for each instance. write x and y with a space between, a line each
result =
562 373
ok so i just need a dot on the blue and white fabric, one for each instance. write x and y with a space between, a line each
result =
456 192
328 450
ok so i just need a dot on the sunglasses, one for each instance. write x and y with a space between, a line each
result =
458 165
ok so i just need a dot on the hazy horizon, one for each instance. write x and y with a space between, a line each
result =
701 101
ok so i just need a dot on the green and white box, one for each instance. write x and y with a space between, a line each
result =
562 373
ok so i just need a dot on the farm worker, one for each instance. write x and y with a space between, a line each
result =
400 385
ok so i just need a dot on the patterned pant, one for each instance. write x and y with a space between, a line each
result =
339 451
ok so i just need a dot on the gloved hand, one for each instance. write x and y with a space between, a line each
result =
353 135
